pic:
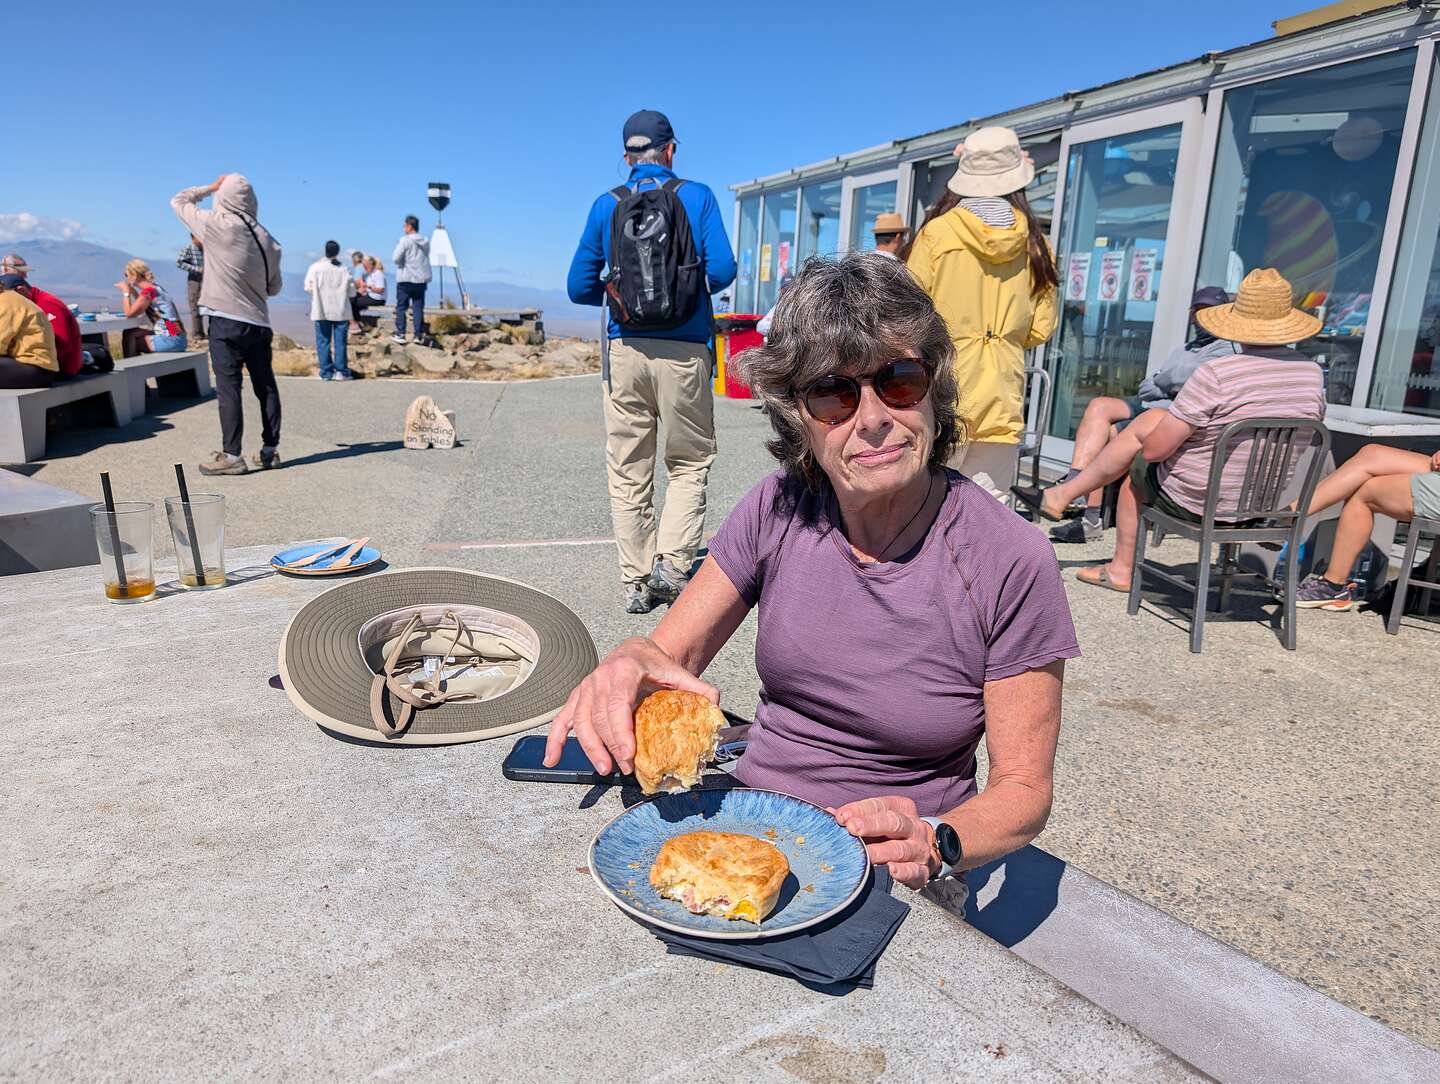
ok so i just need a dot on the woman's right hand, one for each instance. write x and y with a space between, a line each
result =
601 710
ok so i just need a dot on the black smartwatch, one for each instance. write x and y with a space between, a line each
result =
947 845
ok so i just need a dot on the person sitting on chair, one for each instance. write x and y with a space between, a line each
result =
1377 478
1168 452
1107 415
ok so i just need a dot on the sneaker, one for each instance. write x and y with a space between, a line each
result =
666 581
327 376
264 460
1315 592
344 374
220 463
637 597
1078 531
399 339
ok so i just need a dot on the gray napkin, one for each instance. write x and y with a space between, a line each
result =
834 957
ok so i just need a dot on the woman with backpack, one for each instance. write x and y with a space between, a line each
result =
988 269
141 295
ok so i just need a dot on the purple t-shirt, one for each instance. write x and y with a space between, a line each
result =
873 675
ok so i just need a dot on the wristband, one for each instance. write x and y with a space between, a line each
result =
946 869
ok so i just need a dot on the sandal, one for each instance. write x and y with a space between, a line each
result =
1034 499
1101 579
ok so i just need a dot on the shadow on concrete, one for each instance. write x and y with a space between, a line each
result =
347 451
1010 898
74 433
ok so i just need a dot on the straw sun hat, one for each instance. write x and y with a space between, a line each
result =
1261 313
991 164
433 656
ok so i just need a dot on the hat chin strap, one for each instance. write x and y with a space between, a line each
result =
417 695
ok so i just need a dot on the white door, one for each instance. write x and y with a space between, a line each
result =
862 198
1130 189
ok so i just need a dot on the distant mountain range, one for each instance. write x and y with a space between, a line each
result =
83 273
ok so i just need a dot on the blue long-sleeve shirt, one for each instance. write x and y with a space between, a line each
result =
586 286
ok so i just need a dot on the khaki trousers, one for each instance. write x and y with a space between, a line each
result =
990 464
664 383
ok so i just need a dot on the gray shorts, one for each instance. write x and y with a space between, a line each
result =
1425 492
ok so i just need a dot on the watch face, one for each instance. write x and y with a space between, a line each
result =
948 842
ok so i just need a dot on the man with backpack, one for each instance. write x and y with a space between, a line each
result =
665 245
242 270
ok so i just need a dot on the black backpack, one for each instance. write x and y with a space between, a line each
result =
656 278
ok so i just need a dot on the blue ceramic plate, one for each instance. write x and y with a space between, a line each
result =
364 559
828 866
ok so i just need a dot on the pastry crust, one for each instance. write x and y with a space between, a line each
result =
721 873
675 737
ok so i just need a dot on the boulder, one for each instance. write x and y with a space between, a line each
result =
294 362
504 357
429 360
573 353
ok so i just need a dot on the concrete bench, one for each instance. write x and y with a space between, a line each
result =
43 527
22 412
185 373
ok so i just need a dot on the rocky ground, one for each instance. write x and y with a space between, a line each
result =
494 353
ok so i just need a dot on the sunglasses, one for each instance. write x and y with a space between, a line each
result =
900 384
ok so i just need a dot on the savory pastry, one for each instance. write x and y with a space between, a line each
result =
675 737
720 873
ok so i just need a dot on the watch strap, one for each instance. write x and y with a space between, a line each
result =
946 869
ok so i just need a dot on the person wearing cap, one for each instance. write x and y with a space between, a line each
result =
1107 415
242 270
1167 453
27 345
330 288
890 234
656 379
68 350
982 258
192 261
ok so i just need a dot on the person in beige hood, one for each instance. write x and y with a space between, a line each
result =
242 270
982 259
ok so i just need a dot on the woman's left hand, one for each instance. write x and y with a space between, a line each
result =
894 836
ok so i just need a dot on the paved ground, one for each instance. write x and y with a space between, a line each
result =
1282 802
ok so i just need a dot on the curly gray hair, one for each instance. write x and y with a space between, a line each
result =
854 313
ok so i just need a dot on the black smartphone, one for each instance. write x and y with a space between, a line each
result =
525 764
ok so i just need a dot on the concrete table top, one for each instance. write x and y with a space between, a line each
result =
195 879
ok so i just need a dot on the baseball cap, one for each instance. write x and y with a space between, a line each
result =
14 264
647 128
12 281
1208 297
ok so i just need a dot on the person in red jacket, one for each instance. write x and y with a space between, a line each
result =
62 320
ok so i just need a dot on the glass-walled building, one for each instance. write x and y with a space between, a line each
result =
1315 152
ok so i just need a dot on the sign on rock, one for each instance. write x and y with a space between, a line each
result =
426 425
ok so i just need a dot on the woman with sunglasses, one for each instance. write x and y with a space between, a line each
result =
903 613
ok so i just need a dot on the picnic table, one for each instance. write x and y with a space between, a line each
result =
198 879
107 322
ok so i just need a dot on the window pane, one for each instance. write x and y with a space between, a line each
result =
1118 193
745 254
1302 183
872 200
1405 374
777 246
819 220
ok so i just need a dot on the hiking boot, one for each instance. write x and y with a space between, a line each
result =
1315 592
1077 530
666 581
264 460
220 463
637 597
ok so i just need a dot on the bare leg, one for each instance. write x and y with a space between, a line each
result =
1389 496
1371 461
1097 429
1127 519
1112 463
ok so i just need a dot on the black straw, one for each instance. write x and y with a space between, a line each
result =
190 526
114 528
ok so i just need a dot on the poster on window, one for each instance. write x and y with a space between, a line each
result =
764 263
746 268
784 260
1143 262
1112 270
1077 276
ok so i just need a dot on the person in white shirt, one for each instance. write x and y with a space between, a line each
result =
369 289
330 288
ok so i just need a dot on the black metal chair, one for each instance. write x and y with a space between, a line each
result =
1273 447
1418 526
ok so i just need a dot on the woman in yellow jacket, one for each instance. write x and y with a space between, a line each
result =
981 257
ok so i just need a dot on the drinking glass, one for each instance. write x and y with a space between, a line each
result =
127 532
207 512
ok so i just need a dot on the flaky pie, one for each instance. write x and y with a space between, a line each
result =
721 873
675 737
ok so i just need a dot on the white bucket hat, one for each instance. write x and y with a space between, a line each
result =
991 164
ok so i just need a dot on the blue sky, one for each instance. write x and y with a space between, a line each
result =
341 114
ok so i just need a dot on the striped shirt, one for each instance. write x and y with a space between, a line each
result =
1261 382
991 210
